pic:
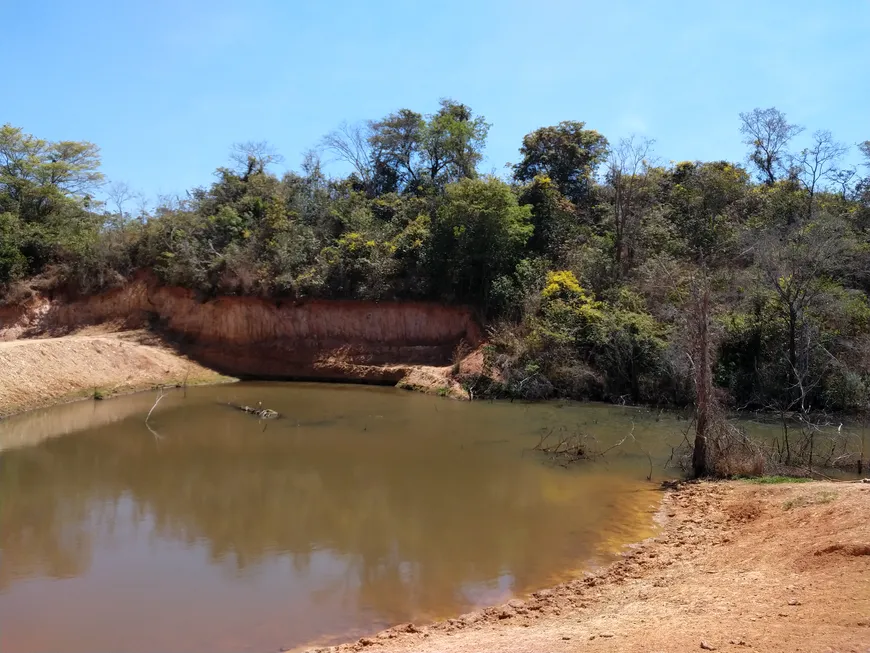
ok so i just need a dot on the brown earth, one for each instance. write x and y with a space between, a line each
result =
409 343
735 567
42 372
247 336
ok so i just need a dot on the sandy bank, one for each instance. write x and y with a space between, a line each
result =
42 372
736 567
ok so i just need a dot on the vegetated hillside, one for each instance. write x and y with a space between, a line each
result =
586 263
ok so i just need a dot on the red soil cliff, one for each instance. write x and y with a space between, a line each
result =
244 336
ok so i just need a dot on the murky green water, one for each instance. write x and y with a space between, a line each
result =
362 508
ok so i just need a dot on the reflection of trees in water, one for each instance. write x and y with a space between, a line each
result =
42 531
413 526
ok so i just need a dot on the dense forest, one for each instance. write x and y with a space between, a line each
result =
585 260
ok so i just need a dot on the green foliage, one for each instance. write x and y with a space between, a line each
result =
13 264
586 279
478 234
423 153
567 153
778 480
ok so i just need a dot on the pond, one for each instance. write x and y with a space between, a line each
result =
359 508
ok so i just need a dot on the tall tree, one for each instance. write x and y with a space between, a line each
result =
418 152
627 167
36 175
478 234
567 153
452 143
768 133
817 163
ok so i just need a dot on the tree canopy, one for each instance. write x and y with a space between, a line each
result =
585 261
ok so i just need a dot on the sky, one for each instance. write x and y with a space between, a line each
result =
165 87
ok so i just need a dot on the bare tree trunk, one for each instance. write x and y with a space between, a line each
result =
792 355
703 380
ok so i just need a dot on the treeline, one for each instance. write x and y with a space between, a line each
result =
584 261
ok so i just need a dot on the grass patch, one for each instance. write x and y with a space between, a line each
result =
443 391
819 498
776 480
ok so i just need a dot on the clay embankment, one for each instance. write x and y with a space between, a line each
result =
736 567
375 342
36 373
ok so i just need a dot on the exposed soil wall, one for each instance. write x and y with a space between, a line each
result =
242 336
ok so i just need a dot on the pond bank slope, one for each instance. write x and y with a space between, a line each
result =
41 372
736 567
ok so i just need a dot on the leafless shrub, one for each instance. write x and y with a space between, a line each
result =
564 446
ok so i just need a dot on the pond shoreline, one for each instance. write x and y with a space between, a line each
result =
43 372
735 567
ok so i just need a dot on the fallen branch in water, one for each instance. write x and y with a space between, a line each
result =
648 456
156 435
568 448
259 411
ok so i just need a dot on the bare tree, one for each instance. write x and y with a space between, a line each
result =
817 163
768 132
798 268
119 193
702 365
253 157
142 207
351 143
844 179
627 166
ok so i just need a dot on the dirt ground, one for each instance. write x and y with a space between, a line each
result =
736 567
42 372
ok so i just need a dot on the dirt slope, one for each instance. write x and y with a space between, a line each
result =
736 567
249 336
36 373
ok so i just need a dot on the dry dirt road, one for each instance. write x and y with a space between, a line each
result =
736 567
45 371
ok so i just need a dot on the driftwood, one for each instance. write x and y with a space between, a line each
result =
258 411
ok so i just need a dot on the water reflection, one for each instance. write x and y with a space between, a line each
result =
360 509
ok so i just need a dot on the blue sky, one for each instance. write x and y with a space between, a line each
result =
165 87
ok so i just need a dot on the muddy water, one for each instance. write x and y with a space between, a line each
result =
359 509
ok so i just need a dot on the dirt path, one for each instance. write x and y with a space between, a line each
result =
42 372
736 567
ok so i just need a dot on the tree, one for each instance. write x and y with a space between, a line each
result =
253 157
704 202
799 266
119 193
360 146
452 143
395 141
768 133
423 152
627 167
817 163
477 235
862 188
36 175
553 217
701 346
567 153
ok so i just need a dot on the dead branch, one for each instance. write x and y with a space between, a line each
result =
156 435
